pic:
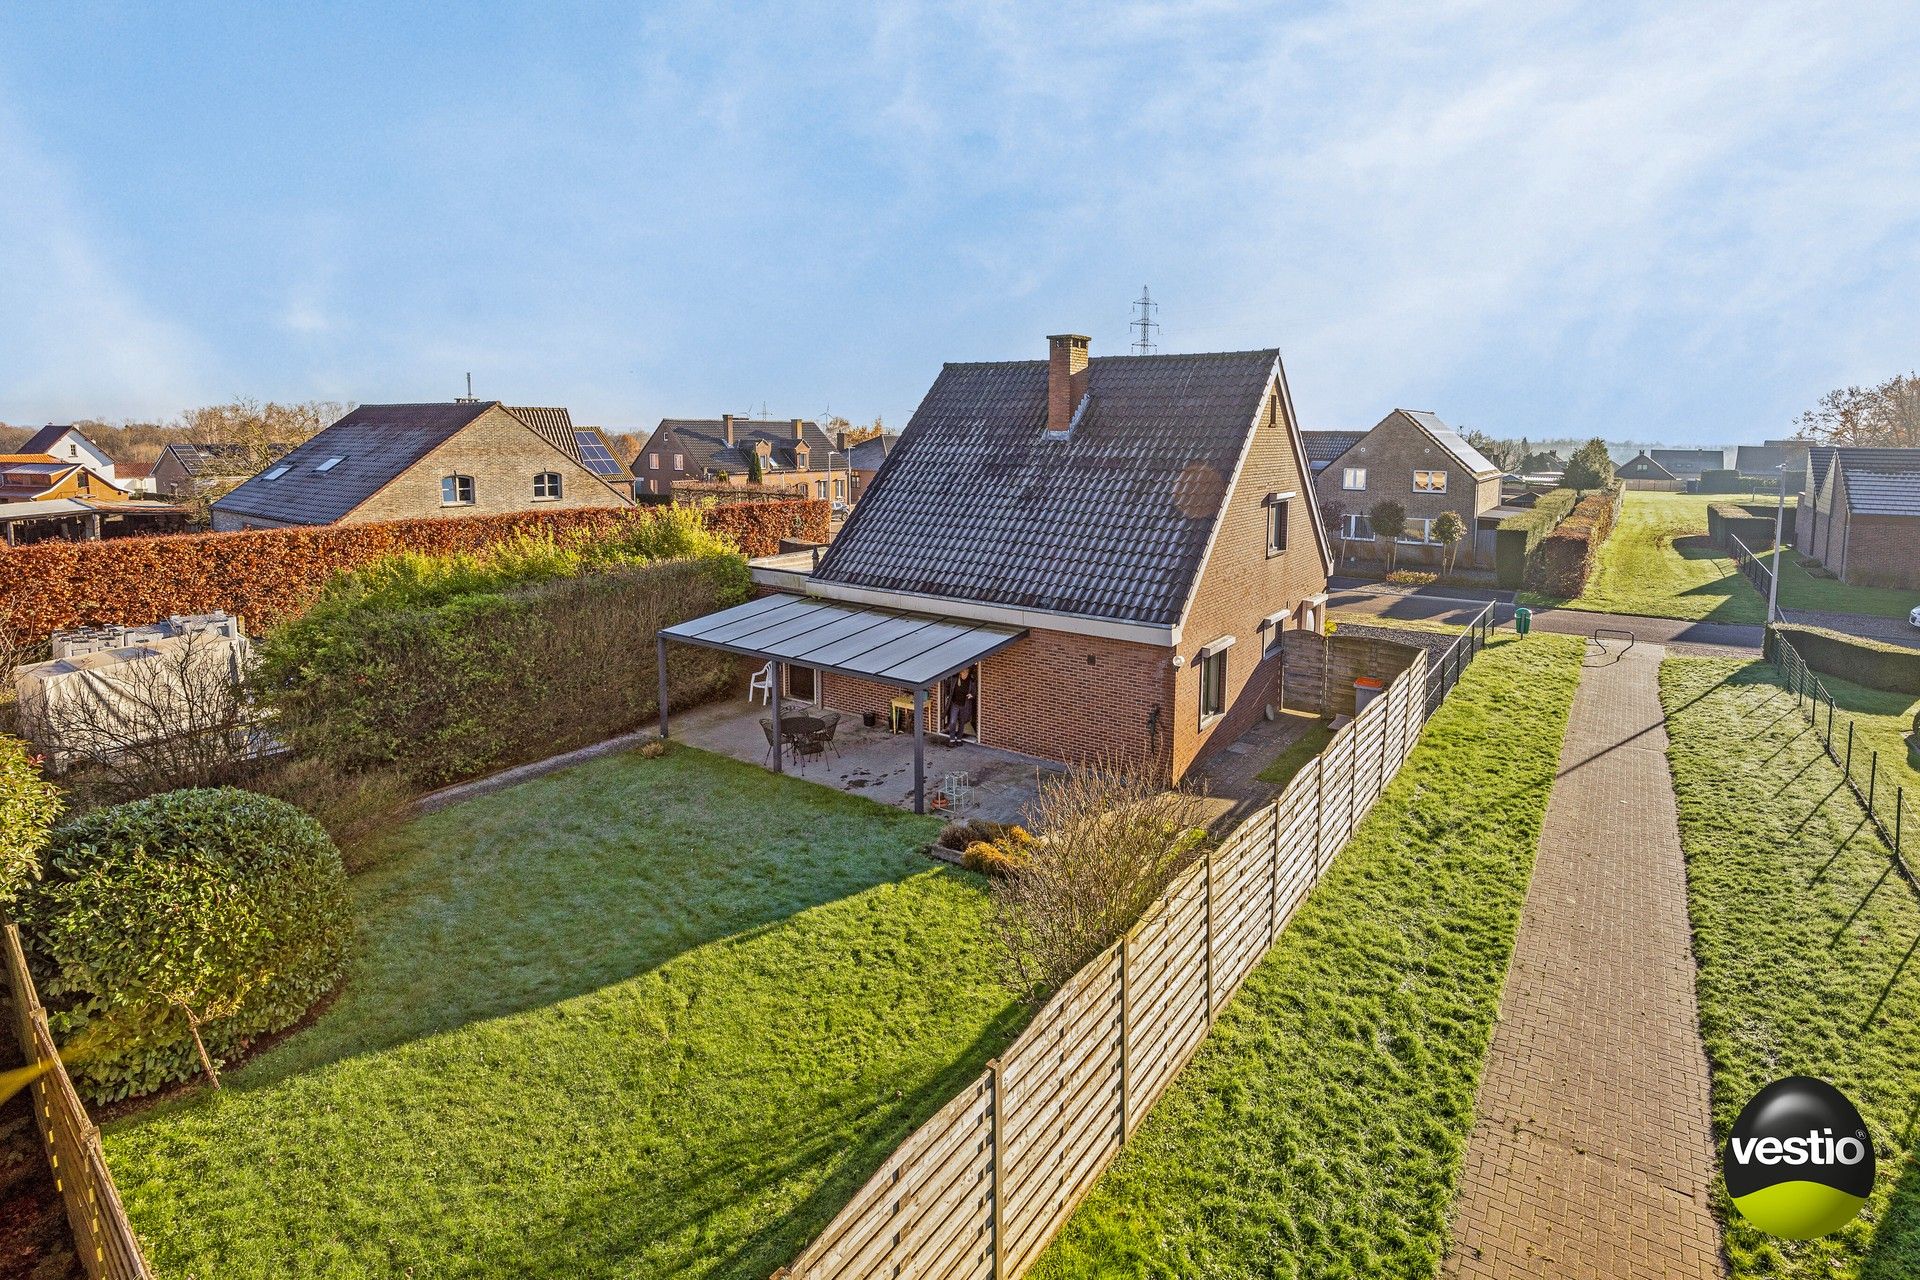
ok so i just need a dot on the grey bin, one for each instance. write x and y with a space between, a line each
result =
1365 690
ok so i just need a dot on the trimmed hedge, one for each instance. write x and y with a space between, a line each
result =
441 686
1873 663
1566 555
1518 537
269 575
223 902
1728 520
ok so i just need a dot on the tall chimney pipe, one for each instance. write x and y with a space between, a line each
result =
726 420
1066 377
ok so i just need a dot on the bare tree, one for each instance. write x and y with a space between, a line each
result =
1108 842
1333 515
1886 416
175 718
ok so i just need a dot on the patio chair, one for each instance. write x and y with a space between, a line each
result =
762 682
766 727
832 720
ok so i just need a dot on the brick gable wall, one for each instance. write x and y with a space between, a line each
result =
503 456
1391 453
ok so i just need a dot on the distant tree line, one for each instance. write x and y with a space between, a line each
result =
249 423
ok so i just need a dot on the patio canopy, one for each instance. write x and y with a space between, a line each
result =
910 651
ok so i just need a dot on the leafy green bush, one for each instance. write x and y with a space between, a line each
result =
1877 665
445 672
212 915
28 806
1566 556
1519 536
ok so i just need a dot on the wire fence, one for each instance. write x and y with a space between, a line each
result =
1756 570
1884 800
1445 671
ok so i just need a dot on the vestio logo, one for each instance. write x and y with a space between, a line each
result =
1799 1163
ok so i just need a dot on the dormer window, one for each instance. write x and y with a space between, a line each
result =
546 486
456 491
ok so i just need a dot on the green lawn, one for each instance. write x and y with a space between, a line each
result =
1801 590
640 1018
1320 1129
1658 563
1807 945
1881 723
1294 758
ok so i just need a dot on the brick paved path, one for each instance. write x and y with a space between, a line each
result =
1592 1155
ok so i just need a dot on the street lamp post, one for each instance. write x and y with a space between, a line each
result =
1779 523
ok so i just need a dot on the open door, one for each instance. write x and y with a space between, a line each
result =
960 705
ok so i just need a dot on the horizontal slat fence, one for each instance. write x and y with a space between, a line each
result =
980 1189
105 1241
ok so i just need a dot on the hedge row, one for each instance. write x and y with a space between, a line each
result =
269 575
1728 520
1518 538
1566 555
1873 663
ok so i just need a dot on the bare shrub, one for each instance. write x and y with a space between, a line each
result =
1108 843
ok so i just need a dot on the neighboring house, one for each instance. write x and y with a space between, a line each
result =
1644 473
1138 531
404 461
195 470
1418 461
1324 446
41 477
1690 464
68 444
1860 515
596 451
136 478
1769 462
864 459
793 452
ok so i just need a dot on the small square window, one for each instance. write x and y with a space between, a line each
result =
1353 478
546 486
456 491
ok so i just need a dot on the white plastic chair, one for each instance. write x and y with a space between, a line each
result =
762 682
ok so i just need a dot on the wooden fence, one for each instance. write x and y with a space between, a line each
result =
105 1242
979 1190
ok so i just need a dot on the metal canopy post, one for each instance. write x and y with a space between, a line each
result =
779 743
919 751
660 655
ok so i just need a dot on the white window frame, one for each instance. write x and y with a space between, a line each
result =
1429 486
1425 525
550 481
653 462
1277 522
1353 479
451 484
1202 665
820 489
679 462
1354 520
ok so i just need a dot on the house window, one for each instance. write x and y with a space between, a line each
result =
653 462
546 486
820 487
456 491
1429 482
1213 685
679 462
1353 478
1277 526
1418 532
1359 528
839 489
799 459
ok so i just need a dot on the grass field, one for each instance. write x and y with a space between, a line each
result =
1808 949
641 1018
1658 563
1320 1129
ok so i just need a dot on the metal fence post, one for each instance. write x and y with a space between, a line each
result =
1849 768
1829 721
1873 778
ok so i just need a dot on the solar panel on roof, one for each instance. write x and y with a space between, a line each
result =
594 452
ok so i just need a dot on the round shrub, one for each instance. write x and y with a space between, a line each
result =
214 908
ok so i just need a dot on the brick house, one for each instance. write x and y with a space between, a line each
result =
792 453
1126 541
1690 464
405 461
1412 458
1859 514
865 458
1642 472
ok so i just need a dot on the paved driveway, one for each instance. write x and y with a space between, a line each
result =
1419 606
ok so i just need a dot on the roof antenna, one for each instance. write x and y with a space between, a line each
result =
468 398
1145 323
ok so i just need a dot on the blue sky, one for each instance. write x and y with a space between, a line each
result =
1644 221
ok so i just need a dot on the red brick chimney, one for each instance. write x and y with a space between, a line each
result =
1066 378
726 422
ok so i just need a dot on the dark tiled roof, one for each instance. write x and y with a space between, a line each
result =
1453 442
43 439
704 442
555 426
1765 459
375 443
1643 467
1819 457
867 455
1881 482
220 459
1687 464
1111 522
1324 446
